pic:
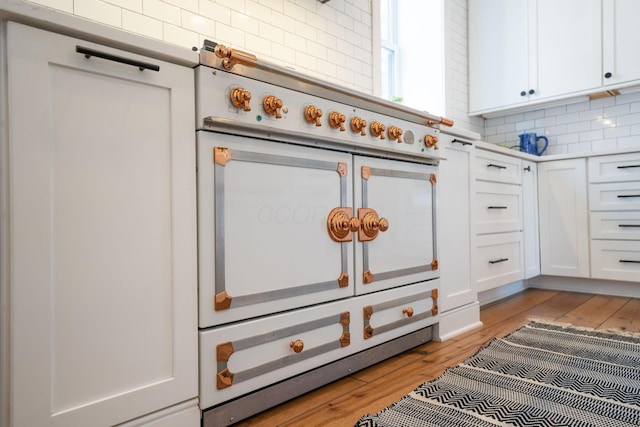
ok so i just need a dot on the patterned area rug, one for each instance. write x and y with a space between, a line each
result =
540 375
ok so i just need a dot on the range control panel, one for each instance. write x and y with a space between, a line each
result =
225 99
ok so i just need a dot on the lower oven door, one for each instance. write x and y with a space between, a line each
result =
396 244
265 214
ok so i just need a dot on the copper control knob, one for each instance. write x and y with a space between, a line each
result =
313 114
272 106
395 133
377 129
431 141
336 120
296 345
240 98
408 311
359 125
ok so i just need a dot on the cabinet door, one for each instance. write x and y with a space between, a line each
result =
621 36
404 195
498 53
564 232
455 230
569 53
530 219
103 245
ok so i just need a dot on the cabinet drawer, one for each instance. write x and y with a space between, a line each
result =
497 167
622 167
615 225
615 260
243 357
499 260
498 207
619 196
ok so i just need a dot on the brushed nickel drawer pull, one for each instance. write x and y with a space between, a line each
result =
491 165
88 53
495 261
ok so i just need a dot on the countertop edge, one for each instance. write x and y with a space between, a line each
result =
579 155
70 25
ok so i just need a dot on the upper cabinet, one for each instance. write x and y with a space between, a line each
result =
621 35
532 51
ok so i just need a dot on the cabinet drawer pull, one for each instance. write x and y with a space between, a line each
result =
495 261
528 168
491 165
496 207
629 225
459 141
630 166
88 53
631 261
626 196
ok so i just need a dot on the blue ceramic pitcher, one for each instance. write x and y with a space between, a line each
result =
529 143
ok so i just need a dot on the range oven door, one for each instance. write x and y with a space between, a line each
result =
396 244
265 212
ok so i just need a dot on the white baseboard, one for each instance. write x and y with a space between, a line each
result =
457 321
495 294
589 286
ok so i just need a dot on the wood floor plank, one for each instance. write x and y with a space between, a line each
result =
558 306
595 311
625 319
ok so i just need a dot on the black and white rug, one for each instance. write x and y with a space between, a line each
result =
540 375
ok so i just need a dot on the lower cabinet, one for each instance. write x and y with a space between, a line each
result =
563 210
102 321
239 358
499 259
530 219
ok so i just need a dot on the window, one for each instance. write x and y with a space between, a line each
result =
411 53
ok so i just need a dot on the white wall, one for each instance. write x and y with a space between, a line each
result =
601 124
331 41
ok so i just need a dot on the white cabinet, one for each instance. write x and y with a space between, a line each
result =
564 232
614 204
455 228
530 219
103 325
498 220
621 36
531 50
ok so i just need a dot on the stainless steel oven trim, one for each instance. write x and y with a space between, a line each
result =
247 343
365 204
220 277
402 322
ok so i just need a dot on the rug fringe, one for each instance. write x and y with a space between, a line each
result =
612 331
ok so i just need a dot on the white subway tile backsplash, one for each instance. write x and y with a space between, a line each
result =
526 126
603 123
596 113
294 11
578 107
617 132
628 98
277 5
629 119
556 130
227 34
634 107
579 147
307 61
617 110
494 121
140 24
198 24
210 9
533 115
100 11
132 5
556 111
545 122
629 142
578 127
556 149
496 139
603 102
511 118
237 5
604 144
567 138
259 44
190 5
567 118
162 11
592 135
270 32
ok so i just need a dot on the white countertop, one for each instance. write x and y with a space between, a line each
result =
64 23
500 149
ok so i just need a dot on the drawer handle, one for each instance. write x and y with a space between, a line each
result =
495 261
491 165
630 166
626 196
296 345
631 261
497 207
88 53
629 225
408 311
459 141
528 168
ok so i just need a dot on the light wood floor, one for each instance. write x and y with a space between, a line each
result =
368 391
